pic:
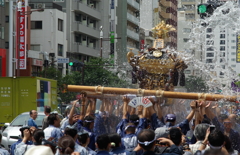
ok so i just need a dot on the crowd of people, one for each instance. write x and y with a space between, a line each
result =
124 130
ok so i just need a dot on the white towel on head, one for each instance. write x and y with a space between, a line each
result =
39 150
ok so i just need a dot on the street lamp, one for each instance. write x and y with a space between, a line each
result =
104 39
101 39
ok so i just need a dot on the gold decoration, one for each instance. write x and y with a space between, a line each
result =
130 55
162 29
157 54
160 66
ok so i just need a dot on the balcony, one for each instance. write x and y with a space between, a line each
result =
134 4
86 29
86 9
133 19
133 35
166 3
84 49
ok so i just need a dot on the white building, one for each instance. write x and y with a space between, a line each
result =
220 52
48 34
149 18
84 19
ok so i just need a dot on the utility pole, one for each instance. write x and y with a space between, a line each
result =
10 55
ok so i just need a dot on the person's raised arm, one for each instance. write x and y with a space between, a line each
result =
205 141
101 109
193 105
72 112
110 107
91 106
208 111
125 106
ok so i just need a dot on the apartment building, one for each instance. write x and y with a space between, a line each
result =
168 13
127 27
84 19
221 52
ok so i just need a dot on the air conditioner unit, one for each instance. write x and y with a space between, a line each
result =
40 6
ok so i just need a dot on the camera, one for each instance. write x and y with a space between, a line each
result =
24 127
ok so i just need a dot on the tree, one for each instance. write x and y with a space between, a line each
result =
95 73
195 84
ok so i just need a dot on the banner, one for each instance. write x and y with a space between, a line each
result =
21 44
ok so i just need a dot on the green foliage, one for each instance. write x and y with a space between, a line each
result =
195 84
95 73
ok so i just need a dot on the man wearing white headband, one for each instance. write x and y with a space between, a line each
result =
147 141
215 140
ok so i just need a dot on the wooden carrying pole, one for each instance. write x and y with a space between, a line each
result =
158 93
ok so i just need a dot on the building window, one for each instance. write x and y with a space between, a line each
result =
223 66
210 49
221 59
209 30
221 73
233 47
209 36
2 32
233 35
35 47
187 71
233 59
233 41
210 42
7 45
222 48
185 40
7 19
222 42
222 30
78 17
211 67
186 30
36 24
78 38
60 50
222 35
233 65
210 54
233 53
60 25
222 54
209 61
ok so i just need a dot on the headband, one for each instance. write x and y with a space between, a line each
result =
74 126
75 115
146 143
129 126
134 121
215 147
88 121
